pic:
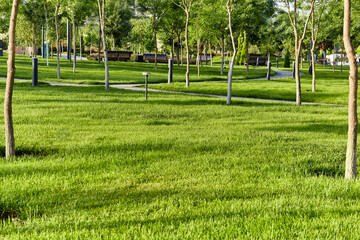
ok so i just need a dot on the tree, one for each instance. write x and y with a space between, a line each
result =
350 171
315 27
186 6
101 4
229 6
298 44
117 22
157 10
57 7
9 128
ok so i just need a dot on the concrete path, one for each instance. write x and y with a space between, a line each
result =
279 74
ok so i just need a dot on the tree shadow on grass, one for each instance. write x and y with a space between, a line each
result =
308 127
22 151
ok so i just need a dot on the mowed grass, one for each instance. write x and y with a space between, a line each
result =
92 72
331 87
93 164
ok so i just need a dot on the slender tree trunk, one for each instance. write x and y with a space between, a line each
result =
172 47
187 48
57 39
113 46
312 53
9 127
99 34
177 52
210 54
156 47
47 43
198 57
181 45
34 41
302 59
74 29
222 55
350 169
247 54
102 23
80 43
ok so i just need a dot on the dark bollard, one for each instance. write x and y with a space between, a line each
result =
277 63
146 74
310 68
170 75
35 72
269 71
293 72
257 62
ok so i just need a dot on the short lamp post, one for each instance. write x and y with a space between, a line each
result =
146 74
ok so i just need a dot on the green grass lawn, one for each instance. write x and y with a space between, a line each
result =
96 164
93 164
330 87
91 72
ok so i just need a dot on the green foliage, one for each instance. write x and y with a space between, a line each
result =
287 59
358 50
241 54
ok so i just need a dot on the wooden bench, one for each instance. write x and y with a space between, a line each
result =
261 62
150 58
204 58
119 56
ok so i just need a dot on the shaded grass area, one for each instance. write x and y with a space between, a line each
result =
108 165
91 72
330 87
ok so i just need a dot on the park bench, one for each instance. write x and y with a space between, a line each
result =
150 58
322 61
261 62
119 56
205 58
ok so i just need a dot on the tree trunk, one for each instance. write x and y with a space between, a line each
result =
181 45
210 54
312 53
187 49
247 54
102 24
302 61
222 55
198 56
9 127
57 38
80 43
350 169
47 43
177 52
99 35
34 42
172 47
74 29
156 47
113 46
